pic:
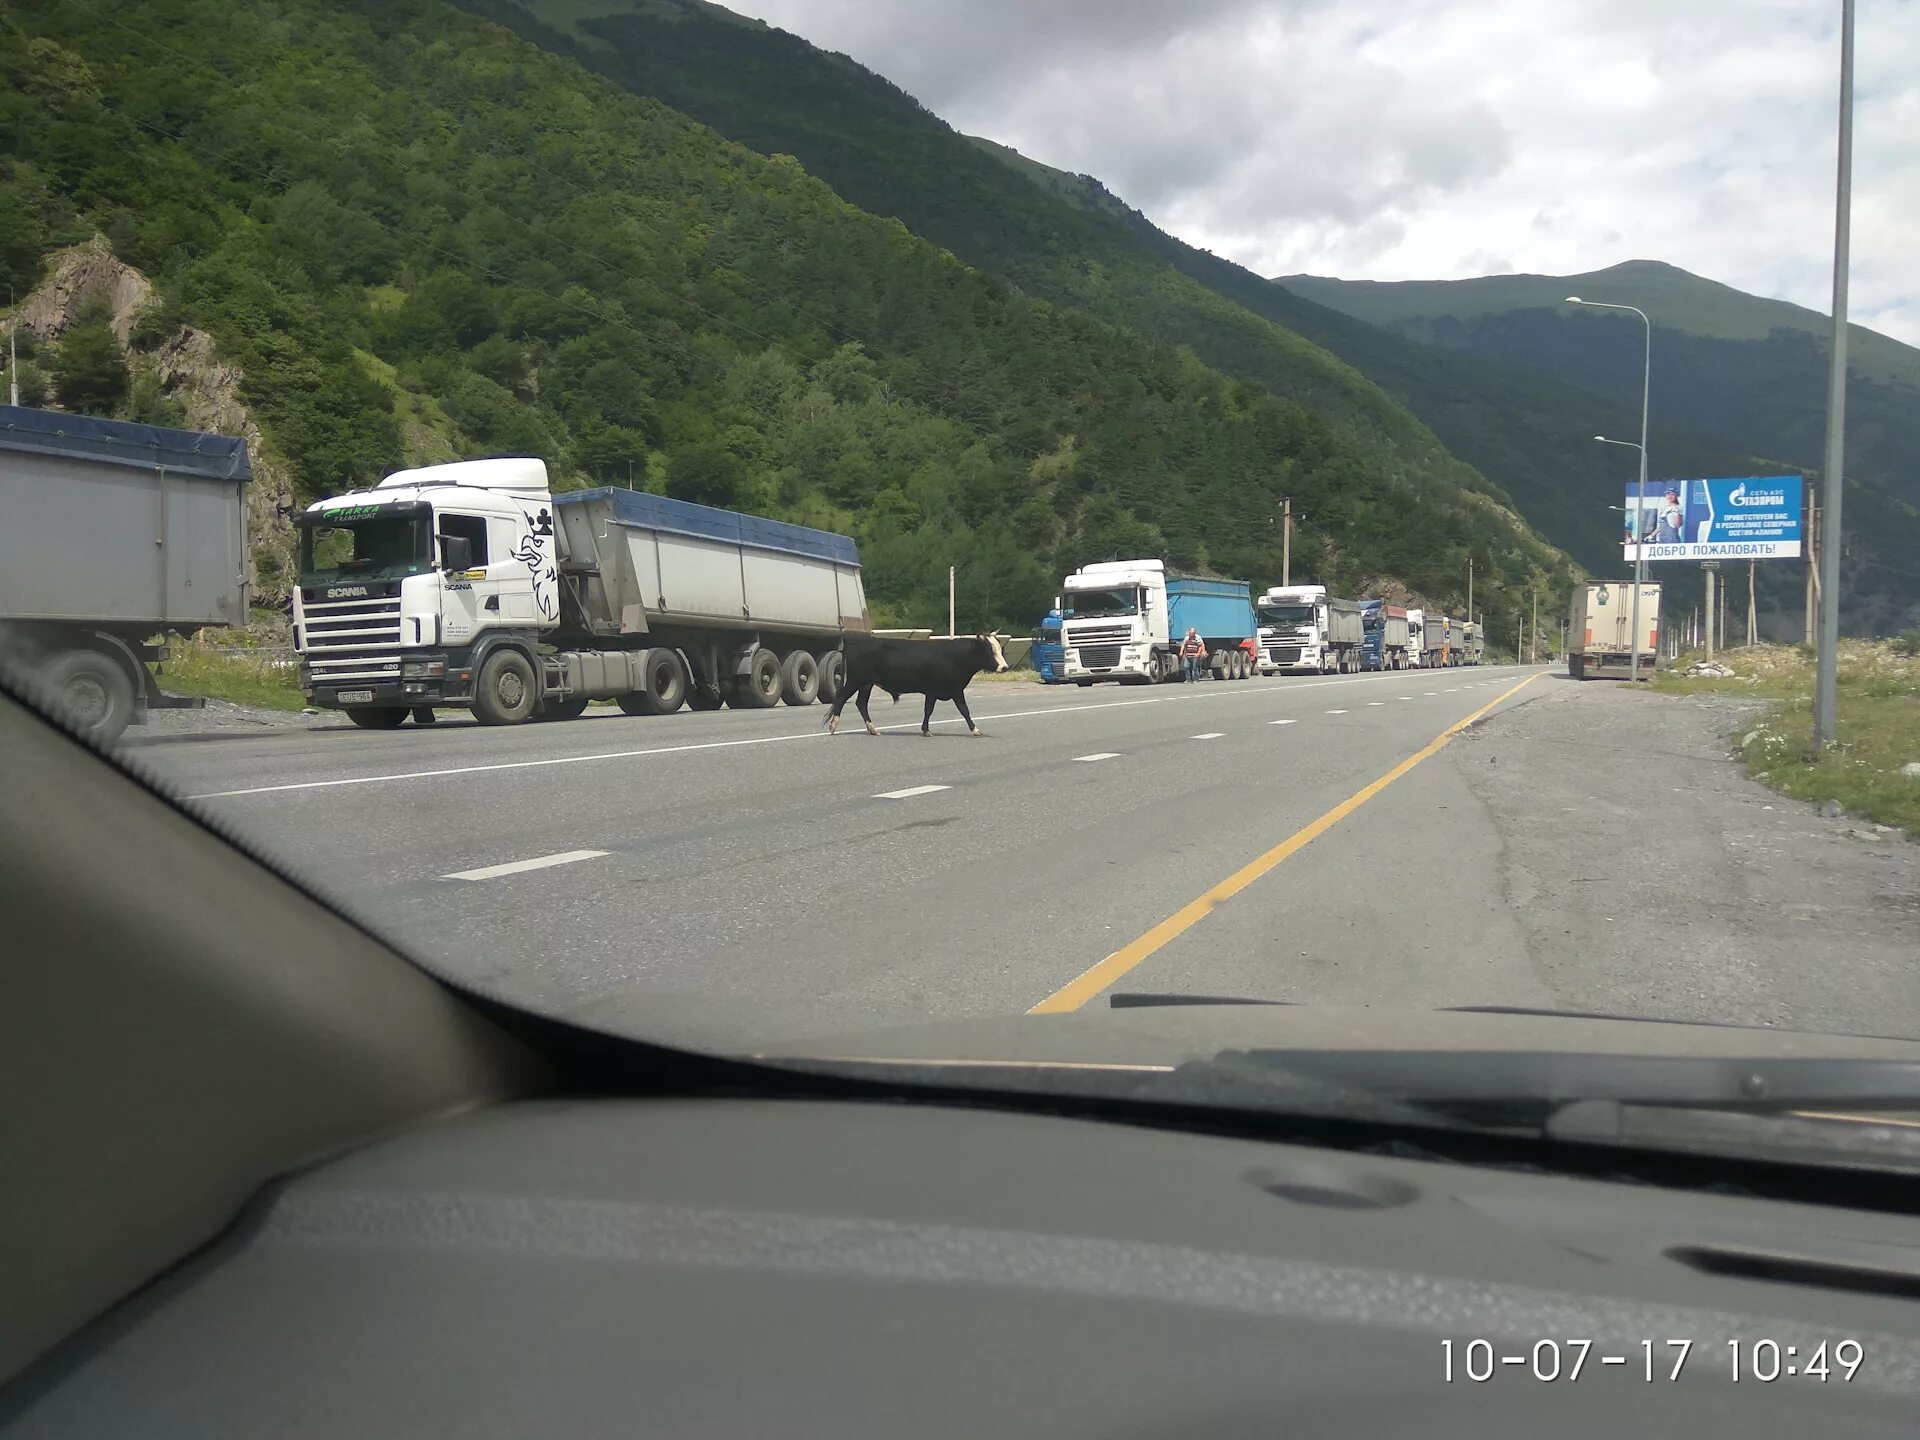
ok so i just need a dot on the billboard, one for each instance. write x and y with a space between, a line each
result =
1757 517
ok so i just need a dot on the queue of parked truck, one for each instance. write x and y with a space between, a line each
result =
473 585
1128 620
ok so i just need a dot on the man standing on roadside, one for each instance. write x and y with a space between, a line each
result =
1192 651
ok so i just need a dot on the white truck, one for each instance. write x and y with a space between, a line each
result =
1600 631
1129 617
111 534
1416 638
1306 631
471 585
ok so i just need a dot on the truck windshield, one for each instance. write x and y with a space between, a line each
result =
378 546
1286 614
1104 604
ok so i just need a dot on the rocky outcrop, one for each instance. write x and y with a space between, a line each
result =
79 274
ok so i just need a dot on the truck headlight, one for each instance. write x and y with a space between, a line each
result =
423 669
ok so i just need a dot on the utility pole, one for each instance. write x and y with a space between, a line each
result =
949 599
1826 662
1469 587
1813 567
1533 654
13 355
1708 608
1753 634
1286 541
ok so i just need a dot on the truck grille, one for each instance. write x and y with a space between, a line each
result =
351 639
1284 654
1084 635
1099 657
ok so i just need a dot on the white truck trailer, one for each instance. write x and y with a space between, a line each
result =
1600 631
111 534
1305 631
471 585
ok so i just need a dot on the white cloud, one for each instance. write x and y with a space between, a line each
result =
1420 139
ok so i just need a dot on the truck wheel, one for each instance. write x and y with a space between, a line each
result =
799 679
95 692
833 676
504 690
563 709
377 719
759 688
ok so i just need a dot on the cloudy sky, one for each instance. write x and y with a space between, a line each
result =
1423 139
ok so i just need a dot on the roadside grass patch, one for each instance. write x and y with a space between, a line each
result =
266 680
1877 725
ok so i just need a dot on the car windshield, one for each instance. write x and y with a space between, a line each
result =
783 363
1105 604
380 546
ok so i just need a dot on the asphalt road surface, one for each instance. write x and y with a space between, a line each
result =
739 877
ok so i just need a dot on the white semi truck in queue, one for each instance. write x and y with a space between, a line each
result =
471 585
1128 618
1306 631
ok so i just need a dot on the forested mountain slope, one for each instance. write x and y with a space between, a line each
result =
1744 374
413 232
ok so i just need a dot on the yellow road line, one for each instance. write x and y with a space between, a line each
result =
1085 986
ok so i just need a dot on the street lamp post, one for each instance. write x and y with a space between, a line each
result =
1639 545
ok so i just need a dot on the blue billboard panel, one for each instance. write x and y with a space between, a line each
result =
1754 518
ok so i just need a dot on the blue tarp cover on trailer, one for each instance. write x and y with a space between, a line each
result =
123 442
703 522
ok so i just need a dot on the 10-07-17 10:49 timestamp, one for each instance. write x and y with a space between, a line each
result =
1478 1361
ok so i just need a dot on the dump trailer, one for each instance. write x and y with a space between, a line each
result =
112 534
1128 618
1385 628
1304 630
472 585
1600 634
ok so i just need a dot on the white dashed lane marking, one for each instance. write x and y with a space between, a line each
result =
910 792
1208 735
1280 722
1376 702
1336 712
514 867
1102 755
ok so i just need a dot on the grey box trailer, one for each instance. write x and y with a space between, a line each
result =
110 534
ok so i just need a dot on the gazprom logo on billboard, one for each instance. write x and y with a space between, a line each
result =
1752 518
1740 495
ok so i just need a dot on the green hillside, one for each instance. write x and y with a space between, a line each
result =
1734 387
414 233
1676 299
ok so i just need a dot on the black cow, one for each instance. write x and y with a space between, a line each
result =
937 669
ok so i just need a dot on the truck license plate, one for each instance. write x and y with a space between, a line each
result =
356 697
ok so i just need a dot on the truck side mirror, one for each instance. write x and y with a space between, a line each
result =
456 552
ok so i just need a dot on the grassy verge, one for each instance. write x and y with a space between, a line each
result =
1877 726
243 680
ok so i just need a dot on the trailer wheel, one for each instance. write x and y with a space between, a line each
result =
833 676
759 688
799 678
377 719
95 692
504 690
